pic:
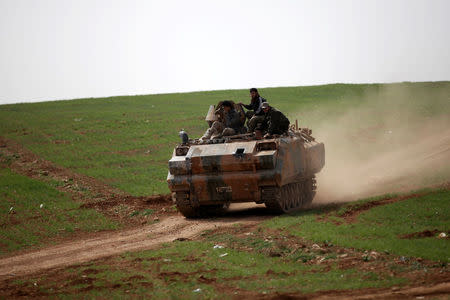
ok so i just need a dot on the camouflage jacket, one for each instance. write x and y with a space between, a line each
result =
275 121
233 120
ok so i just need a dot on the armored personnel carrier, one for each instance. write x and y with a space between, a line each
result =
278 171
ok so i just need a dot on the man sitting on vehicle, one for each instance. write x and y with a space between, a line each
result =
275 122
229 124
255 114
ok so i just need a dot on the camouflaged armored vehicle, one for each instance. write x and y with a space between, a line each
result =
279 172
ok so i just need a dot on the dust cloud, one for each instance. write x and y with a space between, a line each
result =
395 139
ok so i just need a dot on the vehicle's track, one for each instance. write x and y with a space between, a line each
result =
112 243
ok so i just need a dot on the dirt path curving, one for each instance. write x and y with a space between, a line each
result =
112 243
89 191
25 162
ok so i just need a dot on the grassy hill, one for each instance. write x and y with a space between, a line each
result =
126 141
380 243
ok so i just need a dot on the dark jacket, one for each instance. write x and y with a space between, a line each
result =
233 120
255 105
275 122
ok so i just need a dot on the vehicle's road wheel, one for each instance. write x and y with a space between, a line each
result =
308 191
271 197
184 206
290 197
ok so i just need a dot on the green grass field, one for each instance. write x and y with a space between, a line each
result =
380 228
34 212
127 141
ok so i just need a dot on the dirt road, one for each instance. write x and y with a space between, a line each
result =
113 243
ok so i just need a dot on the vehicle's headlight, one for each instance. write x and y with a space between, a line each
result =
178 167
181 150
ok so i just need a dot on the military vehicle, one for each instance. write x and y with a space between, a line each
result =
205 176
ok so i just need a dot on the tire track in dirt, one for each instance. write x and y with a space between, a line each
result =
25 162
97 194
112 243
352 213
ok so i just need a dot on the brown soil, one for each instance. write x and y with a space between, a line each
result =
436 291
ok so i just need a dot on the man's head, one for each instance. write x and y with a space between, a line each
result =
265 106
254 93
227 105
